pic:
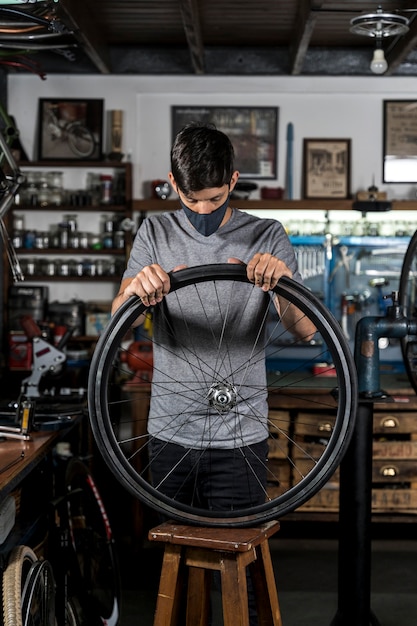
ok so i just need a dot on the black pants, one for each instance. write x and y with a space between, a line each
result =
213 479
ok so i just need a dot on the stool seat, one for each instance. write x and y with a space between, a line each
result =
227 550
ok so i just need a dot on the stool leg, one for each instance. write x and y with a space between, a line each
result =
198 598
267 603
234 591
169 593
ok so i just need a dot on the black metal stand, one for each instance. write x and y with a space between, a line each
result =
355 512
354 573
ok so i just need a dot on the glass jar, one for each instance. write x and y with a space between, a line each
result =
29 191
43 190
63 235
56 188
94 241
31 267
93 188
18 222
83 240
74 239
71 221
119 240
41 240
49 267
63 268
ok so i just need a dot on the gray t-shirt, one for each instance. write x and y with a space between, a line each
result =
185 331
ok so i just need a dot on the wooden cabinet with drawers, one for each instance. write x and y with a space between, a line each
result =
280 422
394 455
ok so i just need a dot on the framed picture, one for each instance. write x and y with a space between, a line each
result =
253 132
400 141
70 130
326 169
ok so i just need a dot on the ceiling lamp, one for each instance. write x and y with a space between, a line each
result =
379 63
379 25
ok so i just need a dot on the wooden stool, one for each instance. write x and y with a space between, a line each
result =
227 550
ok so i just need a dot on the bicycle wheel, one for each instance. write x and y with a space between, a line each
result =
28 590
94 589
407 298
80 140
296 468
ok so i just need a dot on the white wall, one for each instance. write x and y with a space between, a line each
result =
317 106
320 107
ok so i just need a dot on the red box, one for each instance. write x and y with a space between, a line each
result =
20 352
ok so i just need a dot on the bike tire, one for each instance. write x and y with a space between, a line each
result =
81 140
408 302
28 590
121 450
94 548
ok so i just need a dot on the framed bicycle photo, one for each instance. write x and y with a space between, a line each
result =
253 132
400 141
326 169
70 129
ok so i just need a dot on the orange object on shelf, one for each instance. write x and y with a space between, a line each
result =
139 358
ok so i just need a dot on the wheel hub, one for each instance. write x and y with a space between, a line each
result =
222 396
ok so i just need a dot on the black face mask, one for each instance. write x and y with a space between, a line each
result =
206 224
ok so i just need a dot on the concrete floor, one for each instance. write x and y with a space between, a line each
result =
306 571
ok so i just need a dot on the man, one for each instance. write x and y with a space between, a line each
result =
202 453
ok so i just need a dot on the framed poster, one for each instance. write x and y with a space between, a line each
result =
253 132
400 141
326 169
70 129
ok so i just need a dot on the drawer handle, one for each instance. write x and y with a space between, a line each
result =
389 471
389 422
325 427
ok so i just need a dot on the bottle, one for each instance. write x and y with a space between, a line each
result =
106 185
119 239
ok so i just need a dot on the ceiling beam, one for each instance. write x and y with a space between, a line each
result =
80 18
192 27
304 30
402 48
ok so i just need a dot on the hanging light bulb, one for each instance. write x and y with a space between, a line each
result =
379 63
380 25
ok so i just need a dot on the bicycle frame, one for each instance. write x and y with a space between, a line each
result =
11 178
76 546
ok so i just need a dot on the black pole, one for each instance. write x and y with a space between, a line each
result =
354 571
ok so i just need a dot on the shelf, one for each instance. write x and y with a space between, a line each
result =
71 251
71 208
42 278
122 196
351 240
83 339
59 164
67 274
277 205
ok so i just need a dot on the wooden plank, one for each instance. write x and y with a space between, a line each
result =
383 501
81 19
278 448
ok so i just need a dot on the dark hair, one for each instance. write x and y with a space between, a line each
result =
201 158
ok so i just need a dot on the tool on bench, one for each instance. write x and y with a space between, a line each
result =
46 358
36 409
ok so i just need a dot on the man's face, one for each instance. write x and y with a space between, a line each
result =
207 200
